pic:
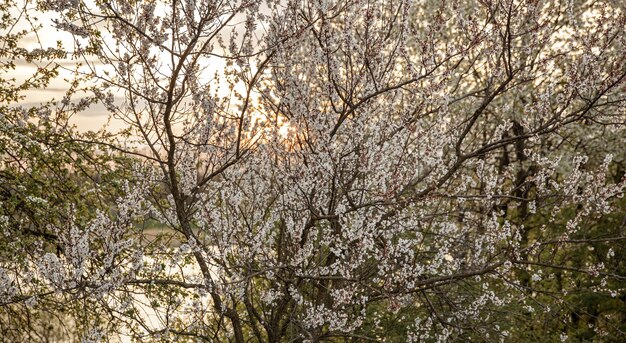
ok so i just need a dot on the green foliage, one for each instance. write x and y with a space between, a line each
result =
49 174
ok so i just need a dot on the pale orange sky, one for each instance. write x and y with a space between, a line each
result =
96 116
92 119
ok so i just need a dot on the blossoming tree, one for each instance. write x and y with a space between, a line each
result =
323 170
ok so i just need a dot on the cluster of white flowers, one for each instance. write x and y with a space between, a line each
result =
347 158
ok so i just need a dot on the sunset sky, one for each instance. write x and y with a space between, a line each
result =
96 116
